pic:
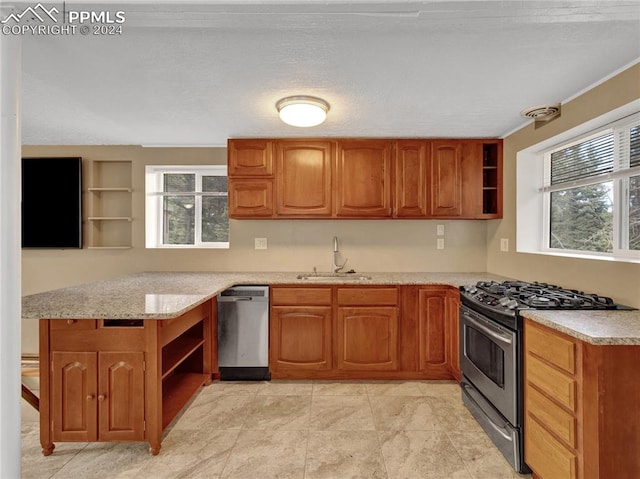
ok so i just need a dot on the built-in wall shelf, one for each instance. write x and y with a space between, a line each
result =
110 206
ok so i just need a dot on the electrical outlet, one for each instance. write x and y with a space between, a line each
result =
440 243
504 244
260 243
440 230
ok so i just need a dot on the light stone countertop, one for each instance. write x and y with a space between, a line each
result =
165 295
594 327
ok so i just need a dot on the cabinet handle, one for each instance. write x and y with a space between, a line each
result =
72 321
90 397
101 397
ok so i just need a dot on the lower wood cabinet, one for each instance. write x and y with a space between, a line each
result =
363 332
97 396
121 380
367 338
574 392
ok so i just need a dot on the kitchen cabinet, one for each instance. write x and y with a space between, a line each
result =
251 178
250 198
367 328
573 394
98 396
412 185
363 179
304 178
120 380
300 329
109 209
363 332
446 178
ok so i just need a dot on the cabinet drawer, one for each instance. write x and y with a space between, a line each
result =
72 324
367 296
547 457
557 385
556 419
301 296
557 350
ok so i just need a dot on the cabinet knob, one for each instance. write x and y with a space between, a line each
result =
101 397
72 321
90 397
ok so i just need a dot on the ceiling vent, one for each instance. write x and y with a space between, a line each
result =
541 112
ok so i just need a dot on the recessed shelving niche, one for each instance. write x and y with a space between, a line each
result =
109 211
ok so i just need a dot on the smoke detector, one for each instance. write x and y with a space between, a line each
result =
541 112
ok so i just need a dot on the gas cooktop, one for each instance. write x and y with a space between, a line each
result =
507 297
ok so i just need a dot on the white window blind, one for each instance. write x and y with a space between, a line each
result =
593 157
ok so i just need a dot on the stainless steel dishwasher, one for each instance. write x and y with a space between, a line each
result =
243 333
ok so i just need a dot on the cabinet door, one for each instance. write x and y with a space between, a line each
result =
432 330
303 180
367 338
121 396
300 338
250 198
446 178
250 158
74 396
363 178
412 179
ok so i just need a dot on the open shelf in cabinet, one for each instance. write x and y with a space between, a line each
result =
491 179
181 349
109 211
177 390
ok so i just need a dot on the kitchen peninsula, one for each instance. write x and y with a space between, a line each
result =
153 336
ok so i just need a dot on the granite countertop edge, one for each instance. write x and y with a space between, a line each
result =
166 295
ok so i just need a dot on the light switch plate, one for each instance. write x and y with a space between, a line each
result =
260 243
440 230
504 244
440 243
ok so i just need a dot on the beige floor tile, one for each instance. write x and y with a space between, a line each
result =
190 454
403 413
36 466
267 454
453 415
339 388
211 411
481 457
341 413
342 454
421 455
286 388
235 388
278 412
441 389
393 388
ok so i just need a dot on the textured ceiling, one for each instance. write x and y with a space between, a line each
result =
202 72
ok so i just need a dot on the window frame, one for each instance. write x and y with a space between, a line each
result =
154 207
533 192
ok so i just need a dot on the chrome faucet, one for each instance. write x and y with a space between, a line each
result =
336 267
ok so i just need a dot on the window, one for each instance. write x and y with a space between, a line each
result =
187 207
586 198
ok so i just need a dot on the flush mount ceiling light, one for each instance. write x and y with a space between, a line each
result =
303 111
541 112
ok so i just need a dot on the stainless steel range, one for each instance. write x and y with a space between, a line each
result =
491 352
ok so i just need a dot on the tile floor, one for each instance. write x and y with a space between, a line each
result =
294 429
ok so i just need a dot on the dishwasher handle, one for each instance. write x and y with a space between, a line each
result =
234 299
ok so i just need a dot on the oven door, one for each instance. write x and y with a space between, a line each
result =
488 360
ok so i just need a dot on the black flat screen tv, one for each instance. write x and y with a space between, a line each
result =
52 203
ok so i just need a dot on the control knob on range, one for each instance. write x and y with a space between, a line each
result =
512 304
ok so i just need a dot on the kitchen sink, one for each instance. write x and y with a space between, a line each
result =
333 276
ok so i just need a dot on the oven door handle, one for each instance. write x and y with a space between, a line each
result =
495 335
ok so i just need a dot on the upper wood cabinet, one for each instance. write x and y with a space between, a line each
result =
250 157
363 178
412 184
303 177
446 178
